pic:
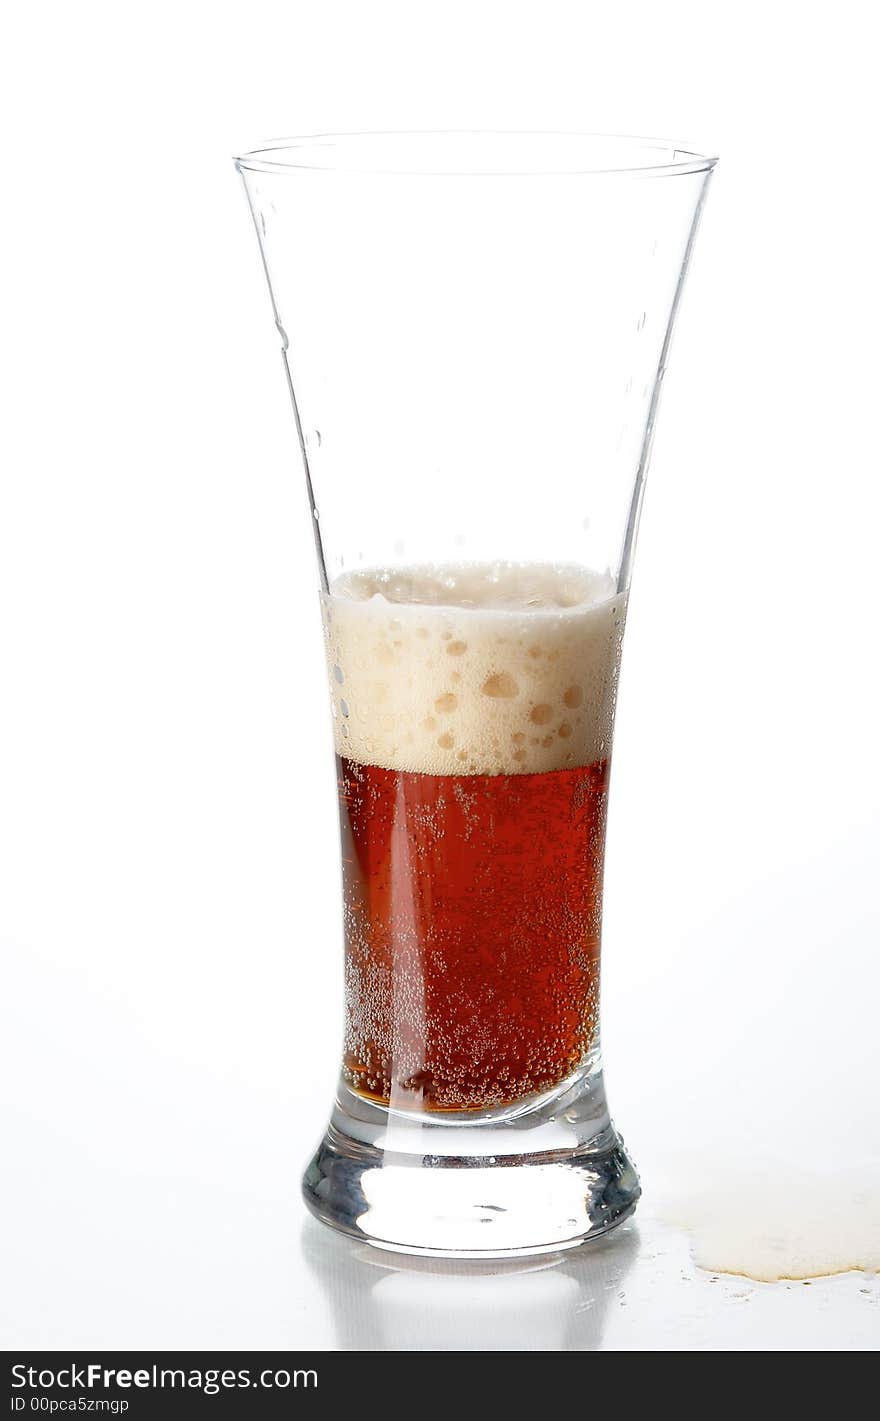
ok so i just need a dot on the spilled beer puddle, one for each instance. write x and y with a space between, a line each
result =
778 1223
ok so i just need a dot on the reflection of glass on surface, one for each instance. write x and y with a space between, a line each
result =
392 1302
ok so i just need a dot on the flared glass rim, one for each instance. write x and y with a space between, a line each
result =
476 153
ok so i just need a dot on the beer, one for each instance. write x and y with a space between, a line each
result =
473 709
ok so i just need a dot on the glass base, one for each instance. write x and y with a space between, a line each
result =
544 1174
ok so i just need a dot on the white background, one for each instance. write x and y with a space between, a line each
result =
168 884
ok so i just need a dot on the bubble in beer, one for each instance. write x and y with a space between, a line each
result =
500 686
446 703
541 714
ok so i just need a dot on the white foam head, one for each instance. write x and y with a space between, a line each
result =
474 668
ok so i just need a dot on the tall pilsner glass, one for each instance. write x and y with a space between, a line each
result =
475 329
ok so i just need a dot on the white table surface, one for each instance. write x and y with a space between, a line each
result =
175 1264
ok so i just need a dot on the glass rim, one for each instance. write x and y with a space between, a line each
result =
372 153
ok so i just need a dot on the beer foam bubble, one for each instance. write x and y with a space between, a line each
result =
474 669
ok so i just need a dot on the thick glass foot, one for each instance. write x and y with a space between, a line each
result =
543 1175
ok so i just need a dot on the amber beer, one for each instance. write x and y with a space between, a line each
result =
473 711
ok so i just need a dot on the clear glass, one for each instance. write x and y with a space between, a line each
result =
475 328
